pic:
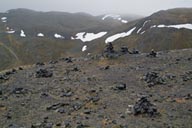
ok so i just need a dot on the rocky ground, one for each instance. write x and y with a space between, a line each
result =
127 91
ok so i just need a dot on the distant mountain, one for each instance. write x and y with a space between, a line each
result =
49 23
28 36
164 30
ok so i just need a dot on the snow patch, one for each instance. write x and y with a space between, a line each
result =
85 37
10 31
115 17
143 26
22 34
124 21
142 32
72 38
58 36
119 35
179 26
4 19
84 48
119 18
40 35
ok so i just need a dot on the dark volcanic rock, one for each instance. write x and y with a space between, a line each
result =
14 126
56 106
67 124
68 60
187 76
42 125
77 106
43 73
124 50
109 48
13 71
109 51
121 86
53 62
152 78
1 92
40 64
152 54
143 106
87 111
19 90
4 77
134 51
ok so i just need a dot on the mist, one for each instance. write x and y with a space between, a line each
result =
97 7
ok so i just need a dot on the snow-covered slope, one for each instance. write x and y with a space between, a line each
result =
86 37
119 35
115 17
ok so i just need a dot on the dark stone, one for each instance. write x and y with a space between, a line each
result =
109 48
61 110
8 115
4 77
53 62
87 112
46 118
66 94
143 106
152 78
19 90
14 126
66 124
48 125
68 60
94 99
44 94
152 54
58 124
171 76
56 106
134 51
187 76
124 50
81 126
77 106
20 68
75 69
40 64
37 125
122 116
1 92
43 73
188 96
13 71
121 86
106 68
109 51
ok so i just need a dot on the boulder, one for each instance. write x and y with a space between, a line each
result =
43 73
144 106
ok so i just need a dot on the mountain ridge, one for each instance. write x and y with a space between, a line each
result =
66 34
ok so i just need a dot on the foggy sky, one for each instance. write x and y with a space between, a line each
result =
96 7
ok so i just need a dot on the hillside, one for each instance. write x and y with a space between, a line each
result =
164 30
42 36
98 92
28 37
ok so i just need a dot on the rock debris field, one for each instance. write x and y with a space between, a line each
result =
125 91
